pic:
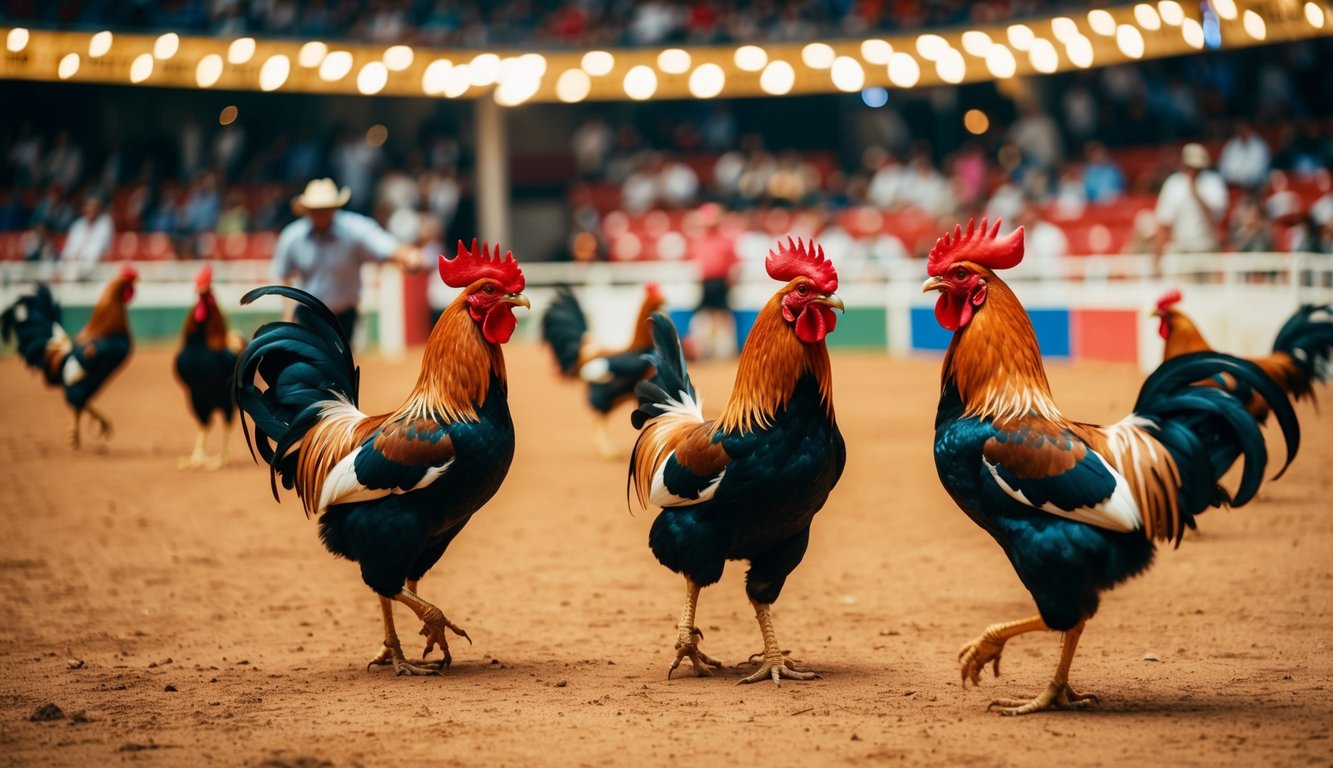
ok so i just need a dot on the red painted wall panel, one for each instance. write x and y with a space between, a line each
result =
1110 335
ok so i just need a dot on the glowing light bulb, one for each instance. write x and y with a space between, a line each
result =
848 76
674 61
707 81
208 71
778 78
640 83
100 44
274 72
598 63
573 86
904 72
750 58
372 78
241 50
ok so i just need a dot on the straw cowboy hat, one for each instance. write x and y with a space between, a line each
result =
319 195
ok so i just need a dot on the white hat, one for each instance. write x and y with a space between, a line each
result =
1195 155
321 194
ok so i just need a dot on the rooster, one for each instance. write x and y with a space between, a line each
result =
1301 353
1076 507
83 364
610 375
747 485
205 364
391 491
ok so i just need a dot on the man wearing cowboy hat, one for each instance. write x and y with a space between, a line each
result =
325 248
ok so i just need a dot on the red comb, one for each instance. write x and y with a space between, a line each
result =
977 246
1169 299
799 258
205 277
473 264
652 289
128 272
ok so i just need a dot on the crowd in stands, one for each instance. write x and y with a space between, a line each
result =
547 23
1072 160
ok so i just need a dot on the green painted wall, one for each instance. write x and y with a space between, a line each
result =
861 327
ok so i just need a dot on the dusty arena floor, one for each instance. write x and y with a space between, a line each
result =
186 619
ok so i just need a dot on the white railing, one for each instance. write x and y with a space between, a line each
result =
1239 298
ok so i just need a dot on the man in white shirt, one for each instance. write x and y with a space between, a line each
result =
1192 202
90 235
1245 159
325 248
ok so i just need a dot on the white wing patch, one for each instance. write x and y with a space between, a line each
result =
341 485
596 371
1118 512
72 372
664 498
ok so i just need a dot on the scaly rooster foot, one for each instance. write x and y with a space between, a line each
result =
103 427
1056 696
190 462
433 631
401 666
974 657
687 647
776 666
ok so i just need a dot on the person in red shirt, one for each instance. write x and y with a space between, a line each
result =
714 324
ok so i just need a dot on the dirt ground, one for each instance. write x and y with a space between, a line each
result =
191 620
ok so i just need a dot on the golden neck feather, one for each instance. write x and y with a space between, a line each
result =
773 360
456 368
995 362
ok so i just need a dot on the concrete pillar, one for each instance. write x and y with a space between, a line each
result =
492 179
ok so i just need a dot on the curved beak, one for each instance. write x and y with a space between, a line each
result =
1156 313
518 300
932 284
832 300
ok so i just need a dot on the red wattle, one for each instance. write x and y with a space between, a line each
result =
815 322
200 311
499 324
1164 328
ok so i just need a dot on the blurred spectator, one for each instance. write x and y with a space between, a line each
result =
25 156
1071 196
202 207
1045 244
719 128
793 180
1191 203
1244 161
55 210
37 243
1036 135
1102 180
925 188
640 190
64 162
90 235
591 144
355 162
888 186
968 172
1006 201
1249 231
713 328
235 217
1080 113
678 184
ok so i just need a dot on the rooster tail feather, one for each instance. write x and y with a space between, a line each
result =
303 368
563 328
1307 338
1206 429
32 321
669 388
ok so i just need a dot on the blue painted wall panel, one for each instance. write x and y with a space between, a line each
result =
1051 325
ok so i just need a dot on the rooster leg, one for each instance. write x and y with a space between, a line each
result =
196 458
988 646
220 460
1057 694
434 623
104 428
606 450
688 637
392 652
775 665
74 431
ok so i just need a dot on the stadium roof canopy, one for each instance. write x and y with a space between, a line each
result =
1100 37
